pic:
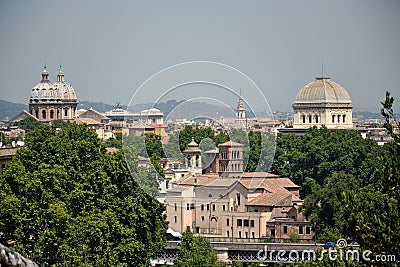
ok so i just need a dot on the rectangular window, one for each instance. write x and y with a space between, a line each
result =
252 223
285 229
202 206
344 118
308 230
208 206
202 218
273 232
333 118
227 233
175 219
192 206
174 206
246 223
239 222
252 234
300 230
187 206
240 234
238 199
246 234
65 112
213 206
223 207
227 222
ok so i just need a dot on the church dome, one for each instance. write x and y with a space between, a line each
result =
323 91
45 89
48 91
65 90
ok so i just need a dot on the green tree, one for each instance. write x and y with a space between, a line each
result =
115 142
377 213
154 145
196 251
60 124
185 136
28 124
326 209
321 152
67 202
172 148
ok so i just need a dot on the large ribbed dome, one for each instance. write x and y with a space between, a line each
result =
45 89
323 91
48 91
65 90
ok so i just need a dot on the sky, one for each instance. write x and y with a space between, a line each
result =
107 49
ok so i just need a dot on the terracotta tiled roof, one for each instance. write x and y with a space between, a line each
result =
269 199
178 189
88 121
223 182
198 180
230 143
269 184
8 151
87 112
259 175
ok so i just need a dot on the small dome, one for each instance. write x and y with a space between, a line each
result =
192 147
323 91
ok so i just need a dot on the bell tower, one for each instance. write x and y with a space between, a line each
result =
193 157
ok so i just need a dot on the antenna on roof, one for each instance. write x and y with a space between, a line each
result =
322 68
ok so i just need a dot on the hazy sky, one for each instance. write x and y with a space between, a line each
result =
108 48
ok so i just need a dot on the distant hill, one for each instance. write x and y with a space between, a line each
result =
172 108
10 109
99 106
183 109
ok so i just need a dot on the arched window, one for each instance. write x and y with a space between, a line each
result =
51 114
309 118
43 114
338 118
316 118
344 118
304 118
333 118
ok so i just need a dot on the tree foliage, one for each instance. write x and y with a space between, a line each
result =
66 202
196 251
320 153
377 213
324 206
27 124
115 142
